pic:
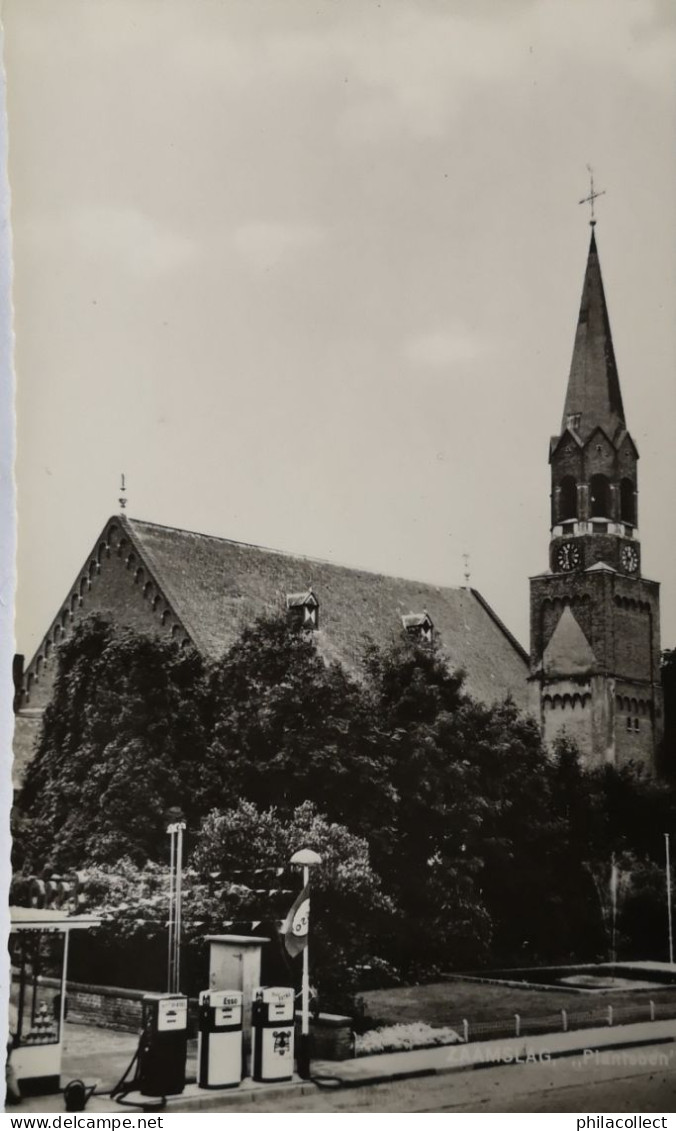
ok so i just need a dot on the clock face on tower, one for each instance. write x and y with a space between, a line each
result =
568 556
629 559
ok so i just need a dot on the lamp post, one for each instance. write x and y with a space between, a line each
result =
305 858
175 831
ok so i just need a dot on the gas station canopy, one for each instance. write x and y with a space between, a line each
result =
38 1012
41 919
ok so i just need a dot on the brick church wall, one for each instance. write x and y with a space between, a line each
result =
571 710
634 726
550 614
113 583
632 642
589 597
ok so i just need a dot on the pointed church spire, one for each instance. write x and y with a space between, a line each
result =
593 398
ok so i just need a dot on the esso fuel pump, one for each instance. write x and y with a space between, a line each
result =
219 1045
272 1020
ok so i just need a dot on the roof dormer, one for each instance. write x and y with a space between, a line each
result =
419 626
302 610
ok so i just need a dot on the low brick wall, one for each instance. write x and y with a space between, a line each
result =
104 1006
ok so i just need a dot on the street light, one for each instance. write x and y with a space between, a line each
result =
305 858
175 831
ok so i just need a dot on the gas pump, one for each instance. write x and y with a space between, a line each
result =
164 1045
272 1025
219 1045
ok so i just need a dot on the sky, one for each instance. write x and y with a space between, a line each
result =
308 273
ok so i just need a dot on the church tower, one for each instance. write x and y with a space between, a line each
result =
595 624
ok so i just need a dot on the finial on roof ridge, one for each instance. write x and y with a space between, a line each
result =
467 571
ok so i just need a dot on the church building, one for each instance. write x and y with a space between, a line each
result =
595 620
202 590
595 625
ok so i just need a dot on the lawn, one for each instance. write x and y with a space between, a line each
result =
447 1003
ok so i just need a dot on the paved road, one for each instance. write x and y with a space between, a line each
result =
603 1083
611 1081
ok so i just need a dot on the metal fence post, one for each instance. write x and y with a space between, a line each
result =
610 1014
564 1020
517 1025
465 1029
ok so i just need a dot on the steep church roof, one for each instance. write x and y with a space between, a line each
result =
593 397
212 587
216 586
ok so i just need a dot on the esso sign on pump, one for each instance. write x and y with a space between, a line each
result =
227 1006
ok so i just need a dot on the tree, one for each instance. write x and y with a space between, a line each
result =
667 752
129 948
473 858
288 726
638 809
515 835
414 697
137 726
452 837
411 682
612 837
643 927
347 891
123 740
584 859
239 871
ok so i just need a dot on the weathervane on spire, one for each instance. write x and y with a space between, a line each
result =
467 573
122 500
592 196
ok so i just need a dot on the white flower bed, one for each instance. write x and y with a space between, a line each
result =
399 1038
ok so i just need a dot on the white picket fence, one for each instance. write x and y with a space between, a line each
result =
566 1020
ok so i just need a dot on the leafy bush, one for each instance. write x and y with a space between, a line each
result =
129 949
450 838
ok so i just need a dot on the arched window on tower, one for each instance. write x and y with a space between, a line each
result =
599 492
567 499
628 502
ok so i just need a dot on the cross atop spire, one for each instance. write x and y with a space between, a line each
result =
592 196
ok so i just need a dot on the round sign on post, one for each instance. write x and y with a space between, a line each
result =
301 919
